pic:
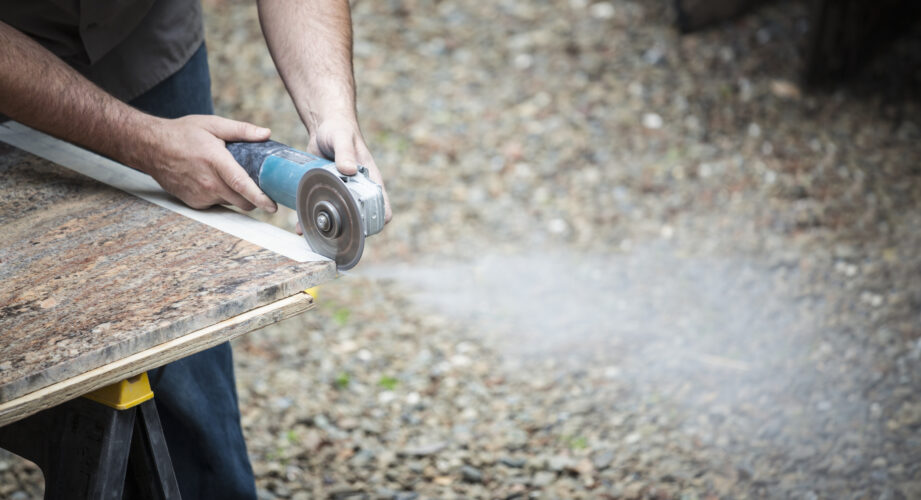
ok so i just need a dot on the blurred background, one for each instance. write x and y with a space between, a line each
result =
625 261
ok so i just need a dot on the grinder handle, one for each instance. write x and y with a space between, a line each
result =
251 155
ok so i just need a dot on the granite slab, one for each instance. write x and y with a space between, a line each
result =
90 274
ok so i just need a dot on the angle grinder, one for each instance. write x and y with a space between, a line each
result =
336 211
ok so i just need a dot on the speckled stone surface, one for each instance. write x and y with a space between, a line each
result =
89 274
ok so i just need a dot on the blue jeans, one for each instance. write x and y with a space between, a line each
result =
196 396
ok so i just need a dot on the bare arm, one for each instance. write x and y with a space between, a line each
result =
40 90
186 156
311 44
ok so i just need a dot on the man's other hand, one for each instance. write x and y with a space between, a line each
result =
187 156
341 141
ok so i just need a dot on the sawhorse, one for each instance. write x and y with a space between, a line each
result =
86 446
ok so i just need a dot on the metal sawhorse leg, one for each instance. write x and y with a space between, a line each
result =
86 447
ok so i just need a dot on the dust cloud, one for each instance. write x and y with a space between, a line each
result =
723 344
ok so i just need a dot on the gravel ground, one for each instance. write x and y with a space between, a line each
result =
623 264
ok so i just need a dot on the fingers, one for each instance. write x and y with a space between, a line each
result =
215 193
241 186
388 213
337 141
232 130
232 198
242 191
375 174
345 154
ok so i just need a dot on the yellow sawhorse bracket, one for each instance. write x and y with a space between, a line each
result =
125 394
106 444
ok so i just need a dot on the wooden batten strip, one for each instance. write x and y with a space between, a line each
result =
154 357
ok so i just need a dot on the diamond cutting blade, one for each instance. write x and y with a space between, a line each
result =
330 217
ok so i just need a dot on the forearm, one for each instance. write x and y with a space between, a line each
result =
185 155
311 44
40 90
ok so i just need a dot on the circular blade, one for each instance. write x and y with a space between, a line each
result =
324 201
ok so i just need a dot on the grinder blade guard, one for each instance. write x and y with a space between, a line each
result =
336 211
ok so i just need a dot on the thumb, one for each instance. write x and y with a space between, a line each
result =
232 130
346 155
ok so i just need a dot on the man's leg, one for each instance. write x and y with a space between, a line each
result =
196 396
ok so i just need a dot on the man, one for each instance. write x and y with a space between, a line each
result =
130 80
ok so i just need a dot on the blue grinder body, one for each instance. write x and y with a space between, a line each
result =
276 168
336 211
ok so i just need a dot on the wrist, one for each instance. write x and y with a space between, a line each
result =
330 113
140 137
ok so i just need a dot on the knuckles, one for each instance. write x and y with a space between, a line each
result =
237 183
197 203
207 185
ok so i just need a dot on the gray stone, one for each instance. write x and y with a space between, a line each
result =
602 459
423 450
471 474
559 463
543 478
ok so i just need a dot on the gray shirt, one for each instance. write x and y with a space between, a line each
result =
124 46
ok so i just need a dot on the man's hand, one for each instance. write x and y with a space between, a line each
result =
192 162
342 141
